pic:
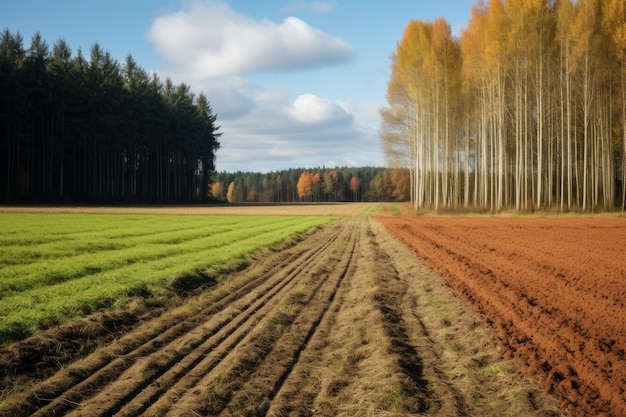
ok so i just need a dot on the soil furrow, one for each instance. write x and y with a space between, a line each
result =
257 394
342 370
416 391
540 284
221 384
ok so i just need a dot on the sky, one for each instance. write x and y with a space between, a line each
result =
294 83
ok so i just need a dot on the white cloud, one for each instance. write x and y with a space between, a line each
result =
212 48
310 131
267 130
311 109
213 40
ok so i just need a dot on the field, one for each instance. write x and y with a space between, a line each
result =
339 319
553 290
237 209
57 266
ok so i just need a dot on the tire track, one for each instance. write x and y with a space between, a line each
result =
269 378
244 378
353 364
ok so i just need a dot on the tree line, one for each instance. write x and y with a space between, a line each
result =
89 129
525 110
313 185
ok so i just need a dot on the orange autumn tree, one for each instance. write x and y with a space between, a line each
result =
230 193
422 118
217 190
400 182
305 185
355 183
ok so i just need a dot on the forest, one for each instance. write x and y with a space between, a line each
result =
76 128
313 185
525 110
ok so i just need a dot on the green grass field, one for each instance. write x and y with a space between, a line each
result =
55 267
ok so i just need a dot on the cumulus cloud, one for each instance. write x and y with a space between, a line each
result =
310 131
311 109
307 116
214 40
214 49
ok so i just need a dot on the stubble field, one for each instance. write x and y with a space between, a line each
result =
344 320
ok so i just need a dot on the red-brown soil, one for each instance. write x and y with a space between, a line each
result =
346 322
553 290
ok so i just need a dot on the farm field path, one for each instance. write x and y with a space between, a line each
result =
345 322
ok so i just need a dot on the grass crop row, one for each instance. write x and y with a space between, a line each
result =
57 267
111 254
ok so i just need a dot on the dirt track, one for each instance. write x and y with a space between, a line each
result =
553 290
345 322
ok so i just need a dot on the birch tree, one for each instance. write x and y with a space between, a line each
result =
526 110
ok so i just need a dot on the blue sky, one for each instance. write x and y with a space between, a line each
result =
295 83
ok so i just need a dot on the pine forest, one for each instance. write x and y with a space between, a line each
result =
76 128
525 110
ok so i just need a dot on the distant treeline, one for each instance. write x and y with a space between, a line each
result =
315 185
89 129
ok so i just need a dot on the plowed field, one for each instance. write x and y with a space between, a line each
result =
553 290
345 322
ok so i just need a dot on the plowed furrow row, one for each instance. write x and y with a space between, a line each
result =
177 380
548 308
210 343
498 295
221 386
351 365
173 362
255 397
442 386
72 386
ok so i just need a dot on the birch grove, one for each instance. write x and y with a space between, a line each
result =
525 110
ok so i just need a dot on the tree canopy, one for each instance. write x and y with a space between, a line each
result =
78 128
313 185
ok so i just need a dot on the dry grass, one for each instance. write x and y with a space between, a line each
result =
240 209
